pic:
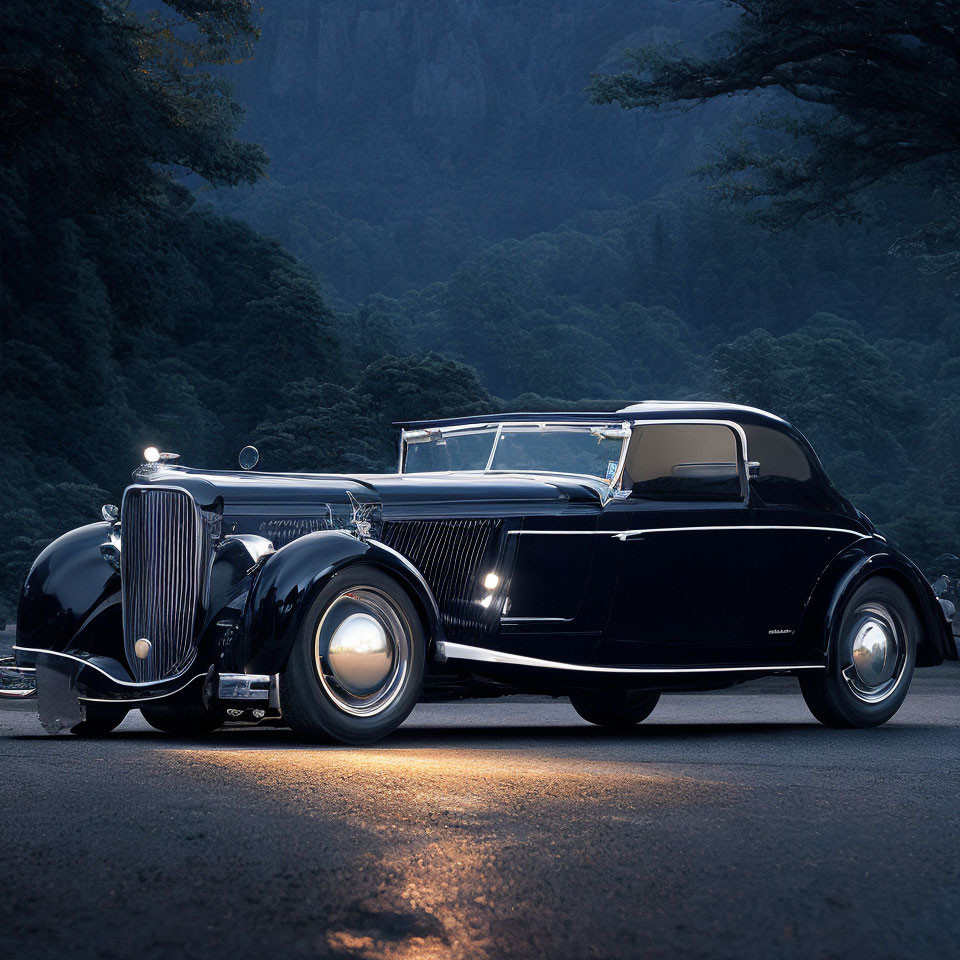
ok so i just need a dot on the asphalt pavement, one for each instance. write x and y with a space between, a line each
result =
726 825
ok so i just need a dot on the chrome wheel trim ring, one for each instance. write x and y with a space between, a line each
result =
362 651
875 653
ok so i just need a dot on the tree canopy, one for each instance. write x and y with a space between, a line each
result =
877 81
128 315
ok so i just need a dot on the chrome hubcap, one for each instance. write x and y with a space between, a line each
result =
875 654
362 651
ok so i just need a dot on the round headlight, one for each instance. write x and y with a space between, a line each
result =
151 455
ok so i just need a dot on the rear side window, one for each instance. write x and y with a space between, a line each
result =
786 477
683 461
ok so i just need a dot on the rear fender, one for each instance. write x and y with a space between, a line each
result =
846 572
289 580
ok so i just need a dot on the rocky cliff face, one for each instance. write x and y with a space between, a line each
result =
405 113
456 70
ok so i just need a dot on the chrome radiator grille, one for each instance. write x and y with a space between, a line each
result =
163 560
451 555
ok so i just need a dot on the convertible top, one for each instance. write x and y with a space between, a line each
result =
646 409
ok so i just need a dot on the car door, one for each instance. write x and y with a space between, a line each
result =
559 590
551 570
799 524
681 590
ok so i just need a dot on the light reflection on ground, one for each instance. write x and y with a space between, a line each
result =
450 833
726 826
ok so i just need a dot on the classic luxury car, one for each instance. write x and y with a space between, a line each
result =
606 557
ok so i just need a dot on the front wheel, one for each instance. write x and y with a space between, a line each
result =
99 719
871 661
356 668
619 709
185 717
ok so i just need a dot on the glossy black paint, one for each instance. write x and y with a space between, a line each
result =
583 578
863 559
691 586
67 588
286 583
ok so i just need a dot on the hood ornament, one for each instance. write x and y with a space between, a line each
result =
153 461
153 455
361 516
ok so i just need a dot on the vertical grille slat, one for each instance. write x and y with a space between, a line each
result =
163 560
450 555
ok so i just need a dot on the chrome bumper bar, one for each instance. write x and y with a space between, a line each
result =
17 683
60 683
101 679
106 680
250 686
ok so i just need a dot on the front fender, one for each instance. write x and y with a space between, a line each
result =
68 586
289 580
846 572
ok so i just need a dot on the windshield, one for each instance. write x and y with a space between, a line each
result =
590 449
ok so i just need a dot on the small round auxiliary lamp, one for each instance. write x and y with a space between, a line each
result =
249 457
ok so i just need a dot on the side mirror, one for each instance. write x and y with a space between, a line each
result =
753 469
249 458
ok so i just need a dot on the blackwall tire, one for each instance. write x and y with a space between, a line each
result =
185 719
100 719
356 668
871 659
617 709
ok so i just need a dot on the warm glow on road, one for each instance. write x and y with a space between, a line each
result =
722 827
448 831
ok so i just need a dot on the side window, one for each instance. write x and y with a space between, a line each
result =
683 461
785 477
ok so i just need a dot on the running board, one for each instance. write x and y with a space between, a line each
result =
459 651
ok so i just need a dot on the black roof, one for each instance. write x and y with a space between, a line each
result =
645 410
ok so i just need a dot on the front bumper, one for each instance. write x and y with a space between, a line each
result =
61 681
16 682
101 679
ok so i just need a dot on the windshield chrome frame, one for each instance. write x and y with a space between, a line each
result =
499 427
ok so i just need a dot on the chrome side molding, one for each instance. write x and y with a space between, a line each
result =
460 651
630 534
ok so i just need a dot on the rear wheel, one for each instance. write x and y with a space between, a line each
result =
356 668
871 661
619 709
99 718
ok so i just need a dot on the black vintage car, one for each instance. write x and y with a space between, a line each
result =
607 557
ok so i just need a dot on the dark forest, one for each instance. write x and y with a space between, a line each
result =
291 226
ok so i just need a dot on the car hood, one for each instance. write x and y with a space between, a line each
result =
394 492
